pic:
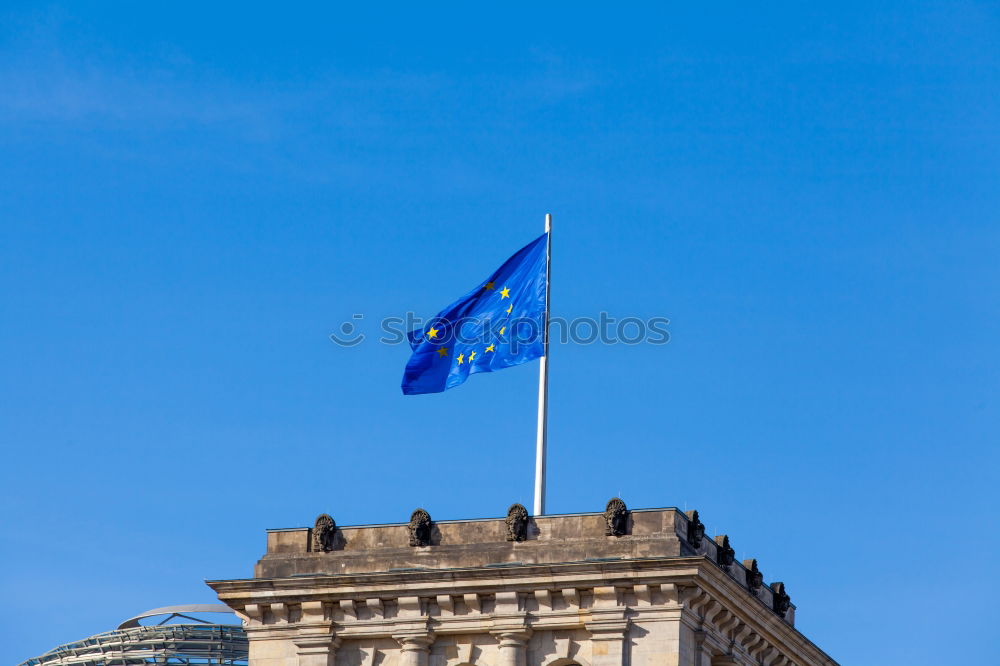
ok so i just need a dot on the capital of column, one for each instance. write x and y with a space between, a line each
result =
414 642
316 649
513 638
314 641
607 629
512 641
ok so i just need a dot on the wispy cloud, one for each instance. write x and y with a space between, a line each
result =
45 77
358 126
45 87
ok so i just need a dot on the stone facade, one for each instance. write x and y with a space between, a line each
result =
597 589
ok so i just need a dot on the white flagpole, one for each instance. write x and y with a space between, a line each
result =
543 386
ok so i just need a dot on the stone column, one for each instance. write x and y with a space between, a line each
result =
318 650
512 647
415 649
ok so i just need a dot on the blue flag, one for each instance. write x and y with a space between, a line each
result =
498 324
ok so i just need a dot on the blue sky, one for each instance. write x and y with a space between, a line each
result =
193 197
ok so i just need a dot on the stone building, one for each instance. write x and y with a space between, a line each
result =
619 588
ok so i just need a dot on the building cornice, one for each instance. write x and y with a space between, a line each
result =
692 588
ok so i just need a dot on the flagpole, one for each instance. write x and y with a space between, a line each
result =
543 386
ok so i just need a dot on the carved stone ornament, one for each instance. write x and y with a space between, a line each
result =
420 528
755 579
323 533
517 523
696 529
781 602
616 517
726 554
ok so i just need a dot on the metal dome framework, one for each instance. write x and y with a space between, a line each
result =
200 642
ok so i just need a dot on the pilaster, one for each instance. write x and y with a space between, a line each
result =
607 628
316 649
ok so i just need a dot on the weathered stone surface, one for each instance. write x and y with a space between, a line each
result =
754 578
725 555
517 523
567 594
323 534
456 544
616 517
420 528
695 529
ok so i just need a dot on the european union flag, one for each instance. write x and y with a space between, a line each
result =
498 324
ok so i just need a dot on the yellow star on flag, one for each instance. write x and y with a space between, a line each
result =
490 348
461 358
472 356
502 329
489 286
504 293
443 351
510 307
432 333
